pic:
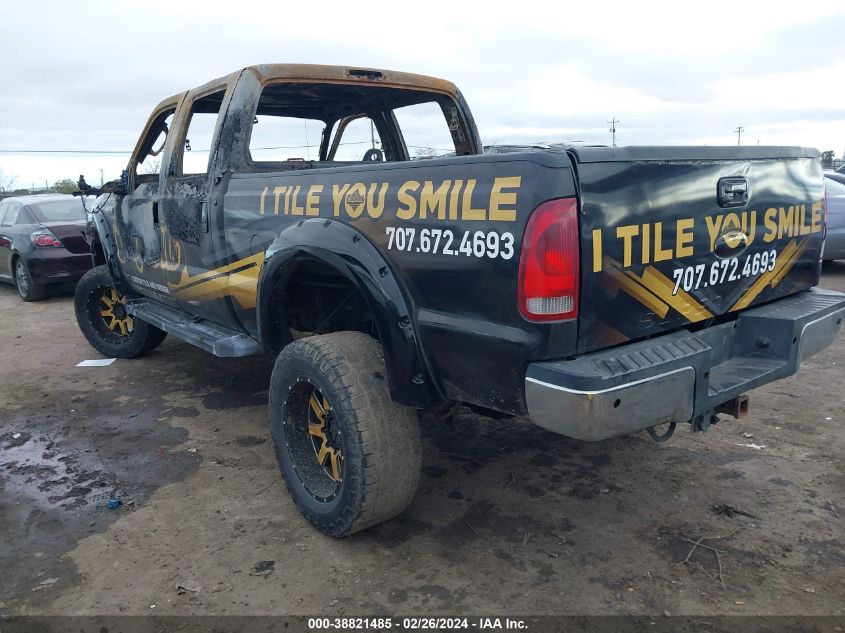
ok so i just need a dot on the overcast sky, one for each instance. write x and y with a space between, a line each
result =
85 75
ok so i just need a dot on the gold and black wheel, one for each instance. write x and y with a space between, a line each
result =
349 455
325 436
314 440
114 313
103 317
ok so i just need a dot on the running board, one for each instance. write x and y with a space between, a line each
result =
218 340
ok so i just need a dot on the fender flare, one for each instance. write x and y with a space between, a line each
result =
105 240
355 257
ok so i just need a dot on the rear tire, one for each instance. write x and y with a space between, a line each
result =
28 288
349 455
103 320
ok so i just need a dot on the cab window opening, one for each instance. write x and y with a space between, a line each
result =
306 125
148 164
193 155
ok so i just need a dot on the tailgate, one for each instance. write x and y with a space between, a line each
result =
678 236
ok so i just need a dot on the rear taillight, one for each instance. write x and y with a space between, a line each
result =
549 263
45 238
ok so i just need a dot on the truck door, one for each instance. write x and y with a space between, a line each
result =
193 248
136 221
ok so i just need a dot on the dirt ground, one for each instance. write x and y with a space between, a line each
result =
509 518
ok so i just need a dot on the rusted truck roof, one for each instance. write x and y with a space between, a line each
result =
269 73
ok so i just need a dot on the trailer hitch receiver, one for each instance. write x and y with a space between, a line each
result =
737 407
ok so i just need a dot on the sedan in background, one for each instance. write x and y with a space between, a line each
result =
834 244
42 241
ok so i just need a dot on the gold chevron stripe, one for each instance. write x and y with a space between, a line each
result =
654 290
186 279
637 291
786 260
222 282
683 302
784 270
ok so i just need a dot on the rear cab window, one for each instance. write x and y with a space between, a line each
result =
303 125
425 130
355 139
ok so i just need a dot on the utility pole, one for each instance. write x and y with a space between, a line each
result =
739 130
372 134
101 176
612 130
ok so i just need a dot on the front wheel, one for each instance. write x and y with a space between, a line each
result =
349 455
104 320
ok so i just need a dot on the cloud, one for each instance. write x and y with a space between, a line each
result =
87 76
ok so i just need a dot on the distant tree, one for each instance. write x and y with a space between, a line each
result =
151 165
827 159
65 185
6 181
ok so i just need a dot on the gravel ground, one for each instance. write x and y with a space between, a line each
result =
508 518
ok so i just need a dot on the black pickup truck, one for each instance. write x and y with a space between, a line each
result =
303 211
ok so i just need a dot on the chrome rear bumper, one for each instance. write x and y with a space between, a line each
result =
681 375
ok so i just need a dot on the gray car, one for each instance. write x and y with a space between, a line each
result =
834 245
838 176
